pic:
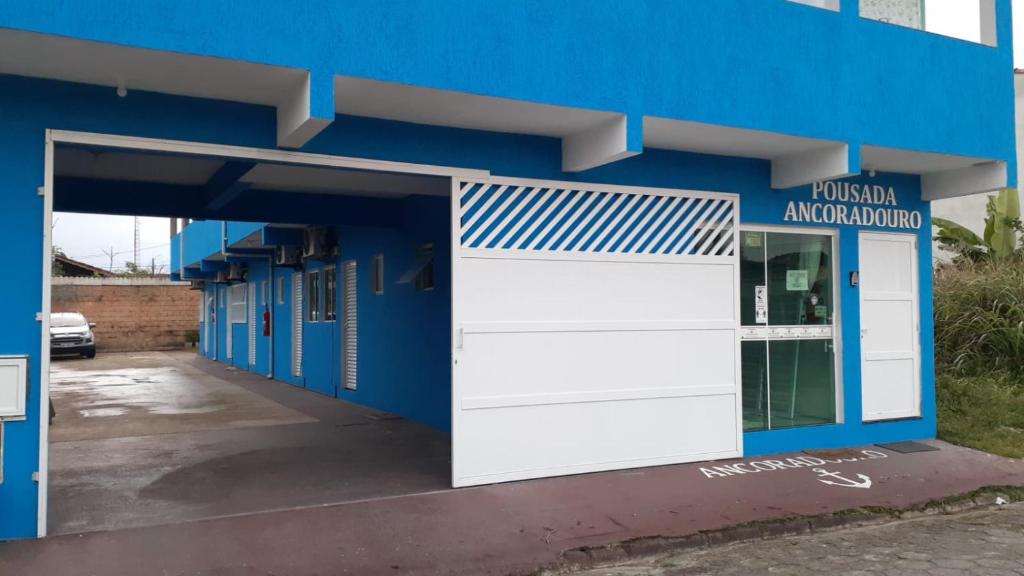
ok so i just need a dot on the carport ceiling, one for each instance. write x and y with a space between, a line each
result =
116 181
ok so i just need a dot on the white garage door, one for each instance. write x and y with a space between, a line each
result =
595 328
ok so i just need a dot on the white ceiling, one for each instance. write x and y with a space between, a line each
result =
347 182
686 136
406 103
197 171
908 162
45 56
117 165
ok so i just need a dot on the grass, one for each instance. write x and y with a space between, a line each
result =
979 355
985 412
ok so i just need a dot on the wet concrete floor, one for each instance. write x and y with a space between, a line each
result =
155 438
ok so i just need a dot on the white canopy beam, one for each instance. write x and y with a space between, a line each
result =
307 110
816 165
607 142
983 177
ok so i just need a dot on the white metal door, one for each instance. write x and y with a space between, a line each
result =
890 326
595 328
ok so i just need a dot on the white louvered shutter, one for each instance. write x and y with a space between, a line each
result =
252 324
297 324
350 332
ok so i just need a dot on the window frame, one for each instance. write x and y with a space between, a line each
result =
233 314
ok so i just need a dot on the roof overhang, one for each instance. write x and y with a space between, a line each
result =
307 101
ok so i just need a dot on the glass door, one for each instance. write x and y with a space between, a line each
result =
787 283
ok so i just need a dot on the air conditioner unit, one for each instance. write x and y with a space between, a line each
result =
221 277
196 285
288 256
319 244
236 272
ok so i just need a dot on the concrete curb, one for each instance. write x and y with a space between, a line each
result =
586 557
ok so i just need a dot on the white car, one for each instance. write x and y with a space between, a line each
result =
71 333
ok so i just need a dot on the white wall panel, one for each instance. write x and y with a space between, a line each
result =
573 290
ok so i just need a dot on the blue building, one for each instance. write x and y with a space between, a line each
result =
579 238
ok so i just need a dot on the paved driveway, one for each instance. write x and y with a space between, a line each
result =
153 438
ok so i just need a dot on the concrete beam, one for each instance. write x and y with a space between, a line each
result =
276 236
816 165
986 177
193 274
602 144
211 266
224 186
306 111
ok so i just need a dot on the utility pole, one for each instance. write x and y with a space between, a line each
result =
110 254
136 241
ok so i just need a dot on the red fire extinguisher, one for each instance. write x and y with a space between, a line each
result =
266 322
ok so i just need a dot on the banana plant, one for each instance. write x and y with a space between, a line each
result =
999 241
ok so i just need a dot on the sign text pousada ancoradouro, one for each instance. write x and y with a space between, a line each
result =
852 204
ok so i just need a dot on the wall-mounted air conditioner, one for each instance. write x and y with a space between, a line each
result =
319 244
236 272
288 256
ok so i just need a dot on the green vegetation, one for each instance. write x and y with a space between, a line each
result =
979 333
999 241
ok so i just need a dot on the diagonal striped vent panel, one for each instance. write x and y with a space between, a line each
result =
501 216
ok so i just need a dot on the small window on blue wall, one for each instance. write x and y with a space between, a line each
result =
425 266
330 293
313 296
378 274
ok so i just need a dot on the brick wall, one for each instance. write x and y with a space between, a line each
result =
131 314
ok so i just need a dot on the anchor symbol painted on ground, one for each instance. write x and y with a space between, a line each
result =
865 481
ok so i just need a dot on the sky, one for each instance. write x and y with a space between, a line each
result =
86 237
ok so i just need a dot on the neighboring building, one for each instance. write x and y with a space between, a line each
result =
131 314
64 266
579 236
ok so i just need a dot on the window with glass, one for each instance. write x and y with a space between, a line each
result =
330 293
425 264
237 302
313 296
787 300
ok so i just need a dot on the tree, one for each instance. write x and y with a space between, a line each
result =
999 241
133 270
56 268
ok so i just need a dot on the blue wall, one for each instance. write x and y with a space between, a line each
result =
404 334
771 64
27 108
